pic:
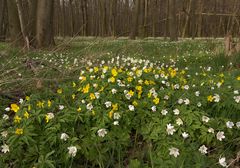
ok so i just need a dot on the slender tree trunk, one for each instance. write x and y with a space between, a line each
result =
112 18
166 32
146 18
193 20
215 20
141 18
2 19
71 18
127 17
104 18
187 18
22 23
84 17
172 21
32 22
154 17
199 28
63 18
134 30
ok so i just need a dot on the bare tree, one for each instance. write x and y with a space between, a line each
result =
14 23
44 33
31 27
134 29
3 12
172 20
22 23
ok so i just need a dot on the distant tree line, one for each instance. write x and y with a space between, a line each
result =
36 22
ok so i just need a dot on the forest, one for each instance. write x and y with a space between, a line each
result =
119 83
25 21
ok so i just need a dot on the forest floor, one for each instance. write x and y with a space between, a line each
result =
21 72
197 62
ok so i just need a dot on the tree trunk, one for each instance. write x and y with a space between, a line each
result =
187 18
14 23
172 20
22 23
2 19
193 19
135 20
215 20
63 18
167 20
32 22
145 18
154 17
44 33
199 28
71 18
141 18
112 18
84 17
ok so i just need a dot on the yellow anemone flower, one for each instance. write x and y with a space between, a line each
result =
95 69
110 114
156 100
131 93
112 79
210 98
15 107
59 91
92 96
49 103
19 131
17 119
129 79
86 88
115 107
114 72
47 118
139 88
135 103
29 107
40 104
26 115
79 109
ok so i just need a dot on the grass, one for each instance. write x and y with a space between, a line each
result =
22 73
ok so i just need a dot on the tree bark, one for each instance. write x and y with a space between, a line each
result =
14 23
199 27
22 23
166 32
172 20
135 20
145 18
187 13
193 19
141 18
32 22
154 17
2 19
44 33
112 18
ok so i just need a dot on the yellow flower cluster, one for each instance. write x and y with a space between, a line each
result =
19 131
